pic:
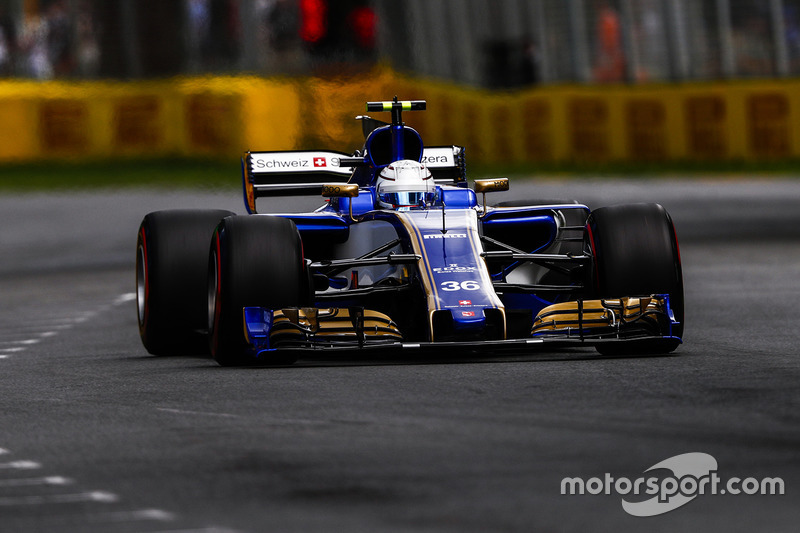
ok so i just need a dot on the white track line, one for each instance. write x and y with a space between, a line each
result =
132 516
122 298
54 326
98 496
20 465
195 413
39 325
26 342
211 529
29 482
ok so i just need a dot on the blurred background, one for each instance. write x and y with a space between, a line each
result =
517 81
488 43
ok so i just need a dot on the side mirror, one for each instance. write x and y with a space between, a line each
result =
491 185
340 190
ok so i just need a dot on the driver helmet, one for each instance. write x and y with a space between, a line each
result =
405 184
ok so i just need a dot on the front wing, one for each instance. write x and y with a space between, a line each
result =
629 321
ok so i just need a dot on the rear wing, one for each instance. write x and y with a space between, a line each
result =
293 173
447 164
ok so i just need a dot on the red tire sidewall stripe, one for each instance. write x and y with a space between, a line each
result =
146 312
677 246
217 293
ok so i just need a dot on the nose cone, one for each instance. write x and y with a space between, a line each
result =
468 323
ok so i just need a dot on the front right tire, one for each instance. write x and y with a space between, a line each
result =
635 253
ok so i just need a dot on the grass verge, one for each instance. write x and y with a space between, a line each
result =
120 173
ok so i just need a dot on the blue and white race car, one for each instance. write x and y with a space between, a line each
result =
403 256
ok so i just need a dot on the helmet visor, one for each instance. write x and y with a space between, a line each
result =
405 199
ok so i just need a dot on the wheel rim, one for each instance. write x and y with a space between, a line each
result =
141 282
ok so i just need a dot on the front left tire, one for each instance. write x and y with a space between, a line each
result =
254 261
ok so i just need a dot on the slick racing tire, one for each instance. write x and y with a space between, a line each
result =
254 261
635 252
171 272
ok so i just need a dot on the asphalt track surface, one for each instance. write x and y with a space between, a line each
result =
98 436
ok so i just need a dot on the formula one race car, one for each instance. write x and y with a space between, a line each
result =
403 256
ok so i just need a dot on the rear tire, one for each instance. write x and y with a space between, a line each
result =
171 272
636 253
254 261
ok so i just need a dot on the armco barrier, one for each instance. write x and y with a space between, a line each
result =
223 116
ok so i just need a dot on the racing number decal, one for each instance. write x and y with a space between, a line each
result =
463 286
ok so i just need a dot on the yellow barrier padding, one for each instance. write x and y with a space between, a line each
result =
224 116
18 132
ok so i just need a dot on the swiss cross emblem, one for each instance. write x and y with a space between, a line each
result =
320 162
467 313
465 302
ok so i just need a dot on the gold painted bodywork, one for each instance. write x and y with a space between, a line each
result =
331 326
589 317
